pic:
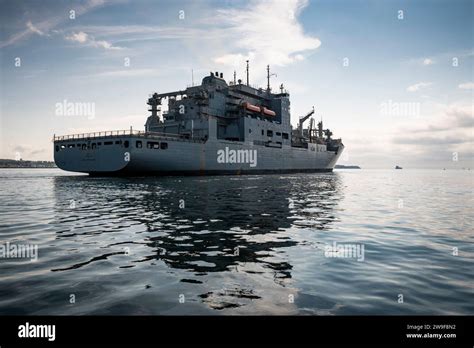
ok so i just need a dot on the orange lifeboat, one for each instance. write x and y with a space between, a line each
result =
261 109
268 112
251 107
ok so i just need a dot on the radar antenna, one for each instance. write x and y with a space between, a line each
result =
268 78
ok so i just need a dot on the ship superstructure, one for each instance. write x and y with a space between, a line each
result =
213 128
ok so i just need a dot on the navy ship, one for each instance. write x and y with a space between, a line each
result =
212 128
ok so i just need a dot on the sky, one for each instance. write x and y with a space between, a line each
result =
393 79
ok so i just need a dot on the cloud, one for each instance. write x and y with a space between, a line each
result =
25 152
466 85
417 86
234 59
446 56
86 39
462 117
79 37
264 31
34 29
21 148
429 140
131 73
146 32
42 28
269 30
37 152
428 61
455 117
448 131
435 150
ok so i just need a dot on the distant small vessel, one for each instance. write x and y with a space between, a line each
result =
398 167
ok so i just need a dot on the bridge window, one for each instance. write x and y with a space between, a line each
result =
118 142
285 135
99 143
138 144
57 148
262 132
269 133
153 145
126 143
278 134
164 146
108 142
93 146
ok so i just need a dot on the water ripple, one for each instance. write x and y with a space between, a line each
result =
238 245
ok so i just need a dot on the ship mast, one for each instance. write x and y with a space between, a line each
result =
247 72
268 78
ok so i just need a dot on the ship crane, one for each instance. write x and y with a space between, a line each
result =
302 120
311 129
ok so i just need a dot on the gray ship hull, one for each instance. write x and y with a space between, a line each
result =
161 155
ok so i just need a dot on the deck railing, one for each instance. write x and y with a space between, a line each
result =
130 132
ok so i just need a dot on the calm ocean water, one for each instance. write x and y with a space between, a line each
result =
239 245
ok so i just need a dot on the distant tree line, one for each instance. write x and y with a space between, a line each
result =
9 163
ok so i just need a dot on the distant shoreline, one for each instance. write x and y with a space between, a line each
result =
341 166
9 163
28 167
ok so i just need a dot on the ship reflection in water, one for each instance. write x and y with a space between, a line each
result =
184 243
238 244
